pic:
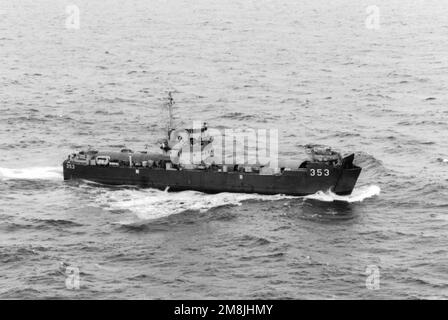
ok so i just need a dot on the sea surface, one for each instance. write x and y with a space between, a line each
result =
313 70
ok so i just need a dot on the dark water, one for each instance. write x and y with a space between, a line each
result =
312 70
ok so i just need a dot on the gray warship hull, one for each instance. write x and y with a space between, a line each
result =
304 181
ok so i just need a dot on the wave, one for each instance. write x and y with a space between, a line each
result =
32 173
151 204
358 195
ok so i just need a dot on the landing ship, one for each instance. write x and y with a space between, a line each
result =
187 162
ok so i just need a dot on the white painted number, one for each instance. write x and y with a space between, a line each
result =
319 172
70 166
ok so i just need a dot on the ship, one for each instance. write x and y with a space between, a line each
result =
187 161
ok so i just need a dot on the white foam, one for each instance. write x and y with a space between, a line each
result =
358 195
148 204
32 173
152 204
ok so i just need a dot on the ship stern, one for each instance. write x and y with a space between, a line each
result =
66 174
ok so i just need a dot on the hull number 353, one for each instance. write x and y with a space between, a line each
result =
70 166
319 172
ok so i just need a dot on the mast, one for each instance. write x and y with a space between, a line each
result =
170 105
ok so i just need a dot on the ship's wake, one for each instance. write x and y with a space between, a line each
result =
358 195
31 173
148 204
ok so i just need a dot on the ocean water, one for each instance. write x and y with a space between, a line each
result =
313 70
